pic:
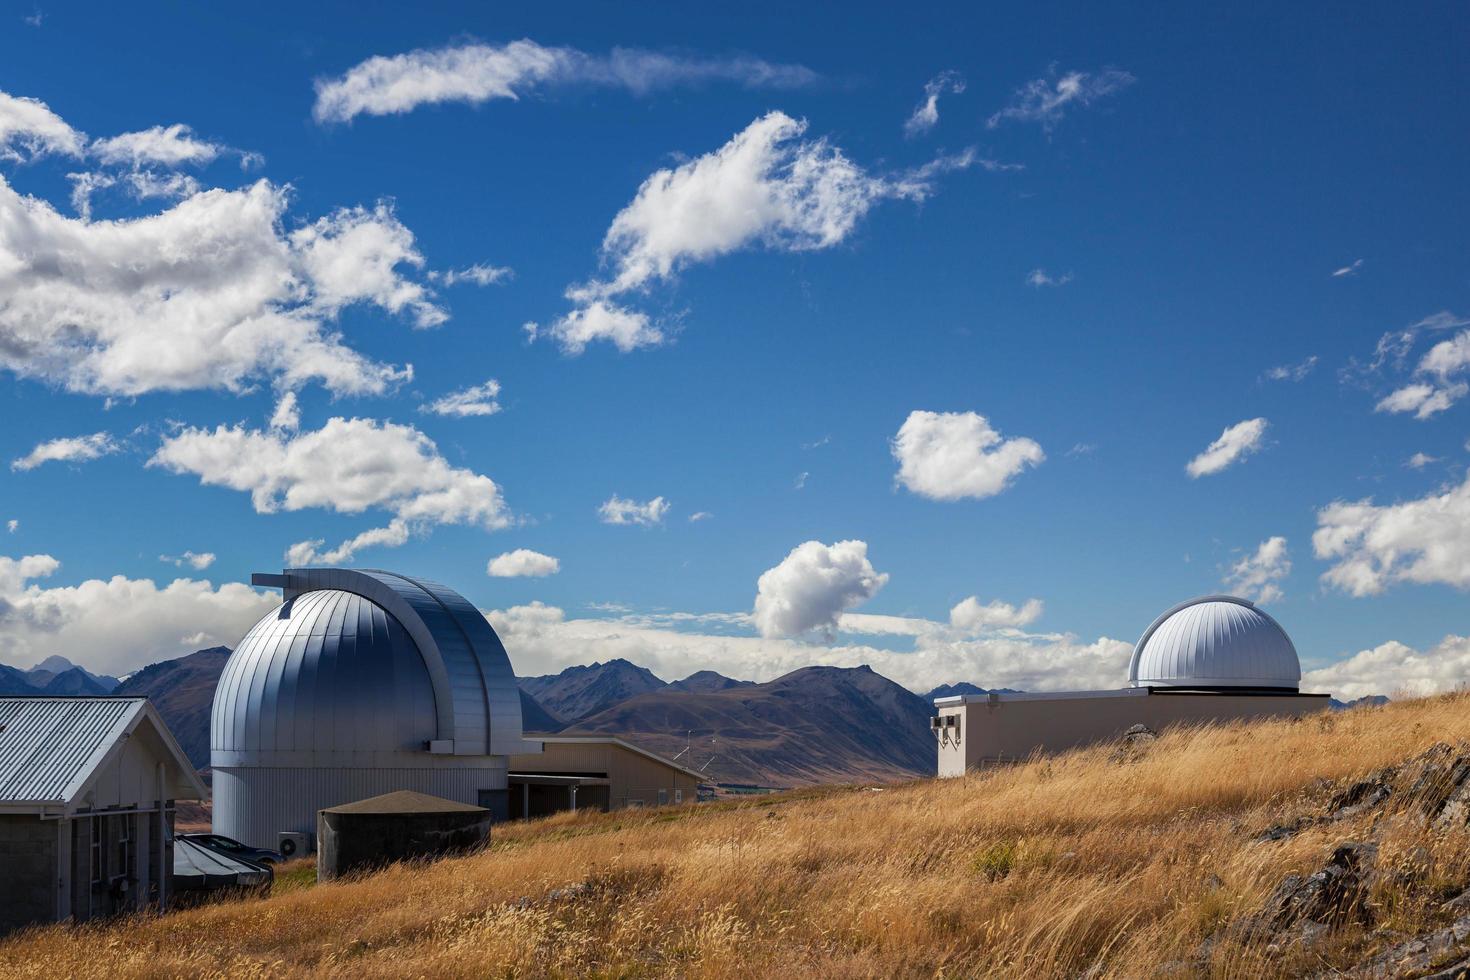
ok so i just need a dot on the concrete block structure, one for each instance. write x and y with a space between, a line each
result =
597 772
1211 659
87 792
401 826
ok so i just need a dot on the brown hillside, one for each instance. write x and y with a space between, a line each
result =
1208 853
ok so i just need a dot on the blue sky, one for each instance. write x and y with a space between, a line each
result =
1101 247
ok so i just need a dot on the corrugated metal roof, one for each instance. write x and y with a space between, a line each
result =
48 746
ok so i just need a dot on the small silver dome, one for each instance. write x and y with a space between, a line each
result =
1215 641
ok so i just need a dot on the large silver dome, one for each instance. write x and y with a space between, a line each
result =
1216 641
359 683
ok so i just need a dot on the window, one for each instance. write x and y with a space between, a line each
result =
124 845
663 797
678 796
96 824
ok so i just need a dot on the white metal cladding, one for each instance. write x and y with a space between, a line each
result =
1215 641
49 746
327 679
256 804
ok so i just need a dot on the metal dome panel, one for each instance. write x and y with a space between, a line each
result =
327 678
1214 642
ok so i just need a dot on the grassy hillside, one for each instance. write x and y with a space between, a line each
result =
1095 863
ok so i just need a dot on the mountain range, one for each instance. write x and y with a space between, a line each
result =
55 675
817 724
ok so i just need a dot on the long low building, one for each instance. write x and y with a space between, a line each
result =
595 772
1212 659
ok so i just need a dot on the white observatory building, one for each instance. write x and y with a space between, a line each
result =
361 682
1215 658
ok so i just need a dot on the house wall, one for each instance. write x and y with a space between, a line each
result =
28 894
634 779
1006 730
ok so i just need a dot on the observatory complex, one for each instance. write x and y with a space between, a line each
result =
1215 658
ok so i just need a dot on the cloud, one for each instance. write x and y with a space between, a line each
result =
522 563
168 146
476 73
1424 541
812 586
1351 269
1235 444
74 449
12 525
478 274
1291 372
626 329
29 129
195 560
1047 100
475 400
1258 576
1397 670
206 294
700 515
543 640
620 510
1040 277
800 482
971 615
768 187
1420 460
952 455
287 414
348 466
1442 365
34 19
926 113
1424 400
118 624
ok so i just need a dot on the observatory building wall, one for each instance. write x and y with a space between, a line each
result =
1005 728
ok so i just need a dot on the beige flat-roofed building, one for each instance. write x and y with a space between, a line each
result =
1211 659
597 772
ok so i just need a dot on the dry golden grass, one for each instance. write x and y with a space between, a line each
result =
1047 869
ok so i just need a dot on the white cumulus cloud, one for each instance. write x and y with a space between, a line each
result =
522 563
71 449
479 274
1040 277
1047 100
29 129
475 400
1397 670
348 466
1258 576
1424 541
952 455
1292 372
971 614
169 146
118 624
813 586
476 73
1234 444
198 561
621 510
768 187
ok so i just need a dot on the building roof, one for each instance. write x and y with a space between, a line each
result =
614 740
406 801
51 748
1215 641
365 669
